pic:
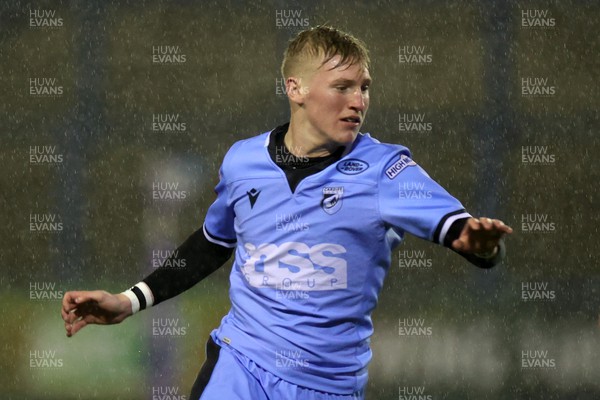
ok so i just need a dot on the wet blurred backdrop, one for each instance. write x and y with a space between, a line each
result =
114 119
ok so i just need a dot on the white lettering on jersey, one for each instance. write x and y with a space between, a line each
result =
398 166
296 266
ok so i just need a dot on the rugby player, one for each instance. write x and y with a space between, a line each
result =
312 209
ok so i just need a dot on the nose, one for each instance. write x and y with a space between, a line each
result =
359 101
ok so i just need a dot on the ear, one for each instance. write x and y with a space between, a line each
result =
295 91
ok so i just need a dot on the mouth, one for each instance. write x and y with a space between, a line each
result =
352 120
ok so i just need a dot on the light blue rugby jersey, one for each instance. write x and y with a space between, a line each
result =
309 265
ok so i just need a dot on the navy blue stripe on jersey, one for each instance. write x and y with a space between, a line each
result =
230 243
212 356
454 231
445 224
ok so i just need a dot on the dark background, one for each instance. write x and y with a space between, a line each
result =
101 55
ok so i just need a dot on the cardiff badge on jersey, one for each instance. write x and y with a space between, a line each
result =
332 199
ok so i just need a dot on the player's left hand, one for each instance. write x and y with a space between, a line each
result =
481 236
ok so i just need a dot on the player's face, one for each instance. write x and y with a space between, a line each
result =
336 101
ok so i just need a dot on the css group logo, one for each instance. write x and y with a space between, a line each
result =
296 266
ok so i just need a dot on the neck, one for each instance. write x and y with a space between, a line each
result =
303 141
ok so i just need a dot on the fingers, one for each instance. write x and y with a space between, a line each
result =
69 329
489 224
474 246
502 227
68 317
78 325
75 309
458 245
74 314
69 306
486 223
483 223
68 302
481 235
474 224
70 323
73 299
85 296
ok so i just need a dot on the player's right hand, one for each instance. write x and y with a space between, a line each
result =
80 308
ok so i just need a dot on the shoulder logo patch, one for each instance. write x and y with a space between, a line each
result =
352 166
398 166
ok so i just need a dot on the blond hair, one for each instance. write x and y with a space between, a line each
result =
324 41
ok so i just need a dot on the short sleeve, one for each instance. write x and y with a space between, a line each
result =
410 201
219 222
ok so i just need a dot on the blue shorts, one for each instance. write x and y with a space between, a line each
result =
229 375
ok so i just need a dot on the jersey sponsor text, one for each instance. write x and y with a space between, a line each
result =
296 266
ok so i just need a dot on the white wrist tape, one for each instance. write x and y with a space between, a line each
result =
140 296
